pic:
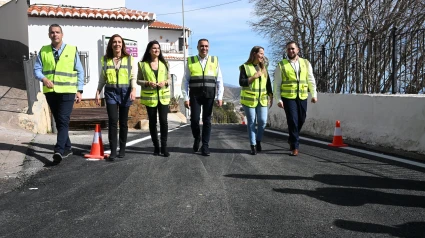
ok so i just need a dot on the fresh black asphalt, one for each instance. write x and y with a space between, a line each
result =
324 192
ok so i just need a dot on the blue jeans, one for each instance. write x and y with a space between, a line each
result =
260 113
296 112
61 107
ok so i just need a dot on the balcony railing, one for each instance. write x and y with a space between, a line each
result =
168 48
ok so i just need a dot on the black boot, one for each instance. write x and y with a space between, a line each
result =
164 150
156 147
196 144
122 150
123 138
258 146
113 155
112 145
253 150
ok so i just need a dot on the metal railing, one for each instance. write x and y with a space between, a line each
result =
84 58
392 63
168 48
32 84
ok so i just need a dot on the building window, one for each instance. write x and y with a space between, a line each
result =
181 44
84 58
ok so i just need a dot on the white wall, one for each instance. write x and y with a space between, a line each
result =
171 35
84 3
396 121
87 36
177 68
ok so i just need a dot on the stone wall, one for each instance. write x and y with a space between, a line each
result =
40 121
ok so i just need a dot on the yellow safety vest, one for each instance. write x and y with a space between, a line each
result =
148 95
255 92
290 87
117 78
202 78
61 73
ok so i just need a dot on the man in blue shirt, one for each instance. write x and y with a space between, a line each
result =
63 79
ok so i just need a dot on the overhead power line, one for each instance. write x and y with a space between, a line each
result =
199 8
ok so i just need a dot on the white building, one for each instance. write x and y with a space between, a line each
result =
86 24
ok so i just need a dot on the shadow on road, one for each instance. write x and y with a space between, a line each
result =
409 229
355 194
358 197
345 180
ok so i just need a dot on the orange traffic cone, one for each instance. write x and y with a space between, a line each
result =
97 146
244 121
337 141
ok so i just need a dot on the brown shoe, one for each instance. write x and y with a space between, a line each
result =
294 152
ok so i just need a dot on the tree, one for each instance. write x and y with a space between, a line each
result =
356 35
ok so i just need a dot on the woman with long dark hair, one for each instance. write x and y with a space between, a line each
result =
154 77
256 95
119 79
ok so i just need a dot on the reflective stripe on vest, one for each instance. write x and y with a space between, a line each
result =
149 96
123 74
61 73
202 78
255 92
290 87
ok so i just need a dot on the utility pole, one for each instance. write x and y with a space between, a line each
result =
184 60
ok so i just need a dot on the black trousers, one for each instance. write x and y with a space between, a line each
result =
113 116
196 103
296 112
61 107
162 111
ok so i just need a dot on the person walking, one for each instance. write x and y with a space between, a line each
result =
293 79
154 78
119 72
59 67
256 95
202 84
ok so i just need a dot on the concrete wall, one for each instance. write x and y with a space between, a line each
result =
14 21
14 31
84 3
87 36
13 43
391 121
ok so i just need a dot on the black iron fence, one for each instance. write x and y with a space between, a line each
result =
388 64
32 84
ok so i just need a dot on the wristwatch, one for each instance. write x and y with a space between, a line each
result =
80 91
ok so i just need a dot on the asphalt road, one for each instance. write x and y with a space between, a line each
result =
323 192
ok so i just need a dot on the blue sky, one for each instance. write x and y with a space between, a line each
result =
226 28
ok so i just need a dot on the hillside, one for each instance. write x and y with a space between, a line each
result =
231 93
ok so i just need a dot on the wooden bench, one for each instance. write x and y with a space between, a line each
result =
84 117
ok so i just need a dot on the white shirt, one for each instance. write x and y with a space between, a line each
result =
185 84
296 65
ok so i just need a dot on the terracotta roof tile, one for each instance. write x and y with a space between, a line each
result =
165 25
121 14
